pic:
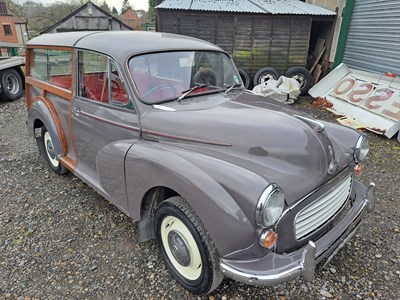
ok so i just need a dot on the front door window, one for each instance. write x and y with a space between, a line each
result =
99 79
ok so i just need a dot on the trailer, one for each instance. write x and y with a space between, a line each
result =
12 77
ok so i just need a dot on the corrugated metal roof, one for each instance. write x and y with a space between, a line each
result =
287 7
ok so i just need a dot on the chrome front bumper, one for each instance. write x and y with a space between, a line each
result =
275 268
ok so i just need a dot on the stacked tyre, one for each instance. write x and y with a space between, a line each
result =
303 76
300 74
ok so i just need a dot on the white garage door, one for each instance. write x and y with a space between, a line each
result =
373 42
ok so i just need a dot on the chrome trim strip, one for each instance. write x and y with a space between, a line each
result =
304 268
318 126
340 184
183 138
109 122
253 279
287 210
357 148
163 107
370 197
262 202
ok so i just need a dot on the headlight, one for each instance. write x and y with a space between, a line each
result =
361 149
270 206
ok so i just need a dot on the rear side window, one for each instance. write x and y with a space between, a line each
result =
39 65
52 66
99 79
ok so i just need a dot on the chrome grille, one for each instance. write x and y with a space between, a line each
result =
318 213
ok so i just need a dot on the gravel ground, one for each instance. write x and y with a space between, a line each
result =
60 240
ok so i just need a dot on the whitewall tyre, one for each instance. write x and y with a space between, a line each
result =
49 152
187 250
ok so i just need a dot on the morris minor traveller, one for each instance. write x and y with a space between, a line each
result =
227 182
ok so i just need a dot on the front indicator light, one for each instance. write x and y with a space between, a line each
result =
268 239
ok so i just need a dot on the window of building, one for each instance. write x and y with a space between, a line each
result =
7 29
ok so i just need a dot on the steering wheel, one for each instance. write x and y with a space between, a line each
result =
115 82
115 85
206 76
159 87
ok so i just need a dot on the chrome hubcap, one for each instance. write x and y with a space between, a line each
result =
12 84
266 78
50 149
179 248
300 79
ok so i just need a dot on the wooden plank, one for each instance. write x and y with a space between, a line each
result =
319 46
317 73
317 59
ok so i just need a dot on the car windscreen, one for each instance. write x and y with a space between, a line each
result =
166 76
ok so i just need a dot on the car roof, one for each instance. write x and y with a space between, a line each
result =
122 44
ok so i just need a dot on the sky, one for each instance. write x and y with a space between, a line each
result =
136 4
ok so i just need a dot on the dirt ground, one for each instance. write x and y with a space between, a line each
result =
60 240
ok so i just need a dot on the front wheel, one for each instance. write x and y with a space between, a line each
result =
187 250
47 145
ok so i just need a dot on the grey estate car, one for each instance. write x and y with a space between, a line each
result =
162 126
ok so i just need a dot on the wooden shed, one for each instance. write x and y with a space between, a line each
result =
88 17
256 33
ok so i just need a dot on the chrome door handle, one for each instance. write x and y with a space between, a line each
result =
76 110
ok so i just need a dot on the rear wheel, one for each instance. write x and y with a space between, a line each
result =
47 145
11 83
187 250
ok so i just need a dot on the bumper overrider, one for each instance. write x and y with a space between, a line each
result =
276 268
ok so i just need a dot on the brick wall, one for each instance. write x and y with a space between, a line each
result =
8 20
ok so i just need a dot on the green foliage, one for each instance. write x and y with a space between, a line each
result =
152 11
125 6
105 6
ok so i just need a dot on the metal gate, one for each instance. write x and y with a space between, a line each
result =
373 42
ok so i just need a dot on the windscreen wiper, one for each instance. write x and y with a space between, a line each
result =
187 92
231 87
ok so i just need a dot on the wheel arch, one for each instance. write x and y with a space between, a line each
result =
151 199
226 222
40 115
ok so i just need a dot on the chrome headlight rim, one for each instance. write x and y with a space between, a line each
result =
264 202
362 145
